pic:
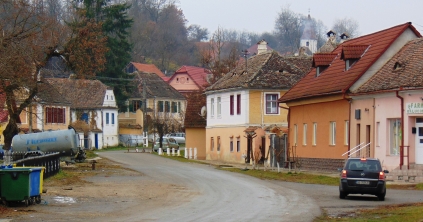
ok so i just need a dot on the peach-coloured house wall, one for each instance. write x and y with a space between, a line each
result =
183 82
195 139
362 128
322 114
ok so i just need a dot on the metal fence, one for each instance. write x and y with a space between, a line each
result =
51 162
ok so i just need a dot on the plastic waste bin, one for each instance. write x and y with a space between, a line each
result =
43 169
20 184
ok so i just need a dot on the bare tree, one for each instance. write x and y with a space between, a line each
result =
346 25
219 56
288 30
29 38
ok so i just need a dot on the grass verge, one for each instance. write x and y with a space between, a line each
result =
402 212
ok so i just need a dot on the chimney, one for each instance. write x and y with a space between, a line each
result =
344 37
261 47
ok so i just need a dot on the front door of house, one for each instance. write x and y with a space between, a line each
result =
419 140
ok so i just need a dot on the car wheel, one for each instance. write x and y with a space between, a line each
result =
342 195
381 196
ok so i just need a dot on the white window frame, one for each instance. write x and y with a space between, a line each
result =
314 134
212 107
305 134
347 132
219 106
394 136
377 133
265 103
332 133
295 134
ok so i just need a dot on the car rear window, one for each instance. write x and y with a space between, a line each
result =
363 164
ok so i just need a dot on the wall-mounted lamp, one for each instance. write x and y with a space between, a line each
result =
366 109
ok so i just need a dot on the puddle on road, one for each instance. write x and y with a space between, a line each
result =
64 199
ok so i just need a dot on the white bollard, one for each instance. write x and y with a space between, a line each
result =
195 153
179 153
190 153
186 153
160 151
173 151
168 151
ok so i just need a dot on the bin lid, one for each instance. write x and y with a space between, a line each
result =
21 169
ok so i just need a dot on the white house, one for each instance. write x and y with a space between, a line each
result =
93 110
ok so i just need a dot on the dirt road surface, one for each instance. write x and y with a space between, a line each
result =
153 188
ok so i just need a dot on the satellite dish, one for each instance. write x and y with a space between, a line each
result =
203 111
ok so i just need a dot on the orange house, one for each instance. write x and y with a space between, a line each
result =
320 104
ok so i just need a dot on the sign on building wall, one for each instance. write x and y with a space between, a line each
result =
414 107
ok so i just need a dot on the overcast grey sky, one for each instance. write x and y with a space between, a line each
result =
259 16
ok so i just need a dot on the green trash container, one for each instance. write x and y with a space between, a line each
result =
20 184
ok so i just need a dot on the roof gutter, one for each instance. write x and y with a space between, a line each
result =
349 117
402 128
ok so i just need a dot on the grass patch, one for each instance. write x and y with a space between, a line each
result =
402 212
289 176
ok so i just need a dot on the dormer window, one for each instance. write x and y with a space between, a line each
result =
320 69
321 61
397 66
307 44
349 63
352 53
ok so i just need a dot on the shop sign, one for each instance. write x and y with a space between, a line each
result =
414 107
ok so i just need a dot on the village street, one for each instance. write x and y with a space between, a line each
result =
160 189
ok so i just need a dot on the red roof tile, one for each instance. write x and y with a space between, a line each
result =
323 59
149 68
193 119
336 79
404 70
353 51
197 74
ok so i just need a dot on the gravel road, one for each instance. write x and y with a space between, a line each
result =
216 195
160 189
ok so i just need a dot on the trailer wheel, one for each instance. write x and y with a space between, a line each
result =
38 199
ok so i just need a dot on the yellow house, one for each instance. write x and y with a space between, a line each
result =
163 103
243 105
49 110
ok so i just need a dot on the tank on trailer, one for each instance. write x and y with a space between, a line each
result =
66 142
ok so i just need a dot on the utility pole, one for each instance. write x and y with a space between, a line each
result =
144 112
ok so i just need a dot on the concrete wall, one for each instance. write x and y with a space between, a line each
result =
196 137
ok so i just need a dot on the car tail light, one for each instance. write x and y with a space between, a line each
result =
381 175
344 174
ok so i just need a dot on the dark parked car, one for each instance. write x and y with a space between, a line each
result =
362 176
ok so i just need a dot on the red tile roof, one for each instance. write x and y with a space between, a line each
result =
404 70
150 68
197 74
335 79
193 119
323 59
353 51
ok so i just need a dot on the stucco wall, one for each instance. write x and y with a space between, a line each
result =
225 134
257 109
196 137
322 114
180 83
359 127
